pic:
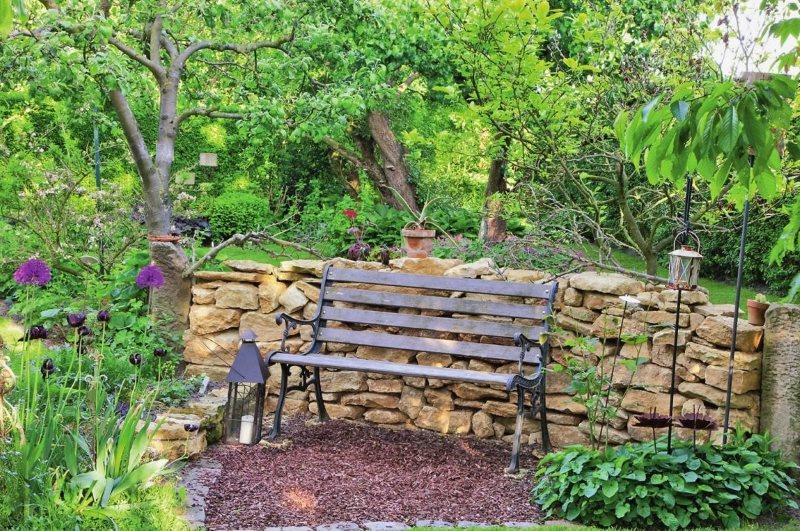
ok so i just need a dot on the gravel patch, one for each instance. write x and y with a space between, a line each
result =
344 472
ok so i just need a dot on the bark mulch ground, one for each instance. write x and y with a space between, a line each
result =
344 472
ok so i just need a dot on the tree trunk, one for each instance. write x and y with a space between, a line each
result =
392 152
493 225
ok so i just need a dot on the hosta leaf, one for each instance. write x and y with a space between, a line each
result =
610 489
622 509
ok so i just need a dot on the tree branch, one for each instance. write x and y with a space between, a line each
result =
344 152
155 40
230 47
211 113
241 239
157 70
141 156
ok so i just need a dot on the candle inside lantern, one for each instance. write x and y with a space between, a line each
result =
246 430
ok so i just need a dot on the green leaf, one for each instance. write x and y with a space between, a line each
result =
649 107
610 488
620 125
679 109
6 18
728 133
622 509
719 179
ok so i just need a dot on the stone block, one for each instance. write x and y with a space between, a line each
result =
264 326
565 404
687 297
648 299
230 276
412 401
292 299
602 432
719 331
715 396
607 326
343 381
568 323
563 436
640 401
610 283
482 425
573 297
269 291
661 317
667 337
308 267
371 400
424 266
203 295
564 419
439 398
385 385
384 354
500 409
250 266
580 313
239 295
338 411
721 358
707 310
207 319
470 391
385 416
211 349
434 360
484 266
454 422
742 382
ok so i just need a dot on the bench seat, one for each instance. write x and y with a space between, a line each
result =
326 361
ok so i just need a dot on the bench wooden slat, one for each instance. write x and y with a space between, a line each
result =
398 369
424 322
427 302
425 344
492 287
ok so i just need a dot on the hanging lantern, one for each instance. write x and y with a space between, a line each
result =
246 390
684 265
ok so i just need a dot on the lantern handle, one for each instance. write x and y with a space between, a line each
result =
687 234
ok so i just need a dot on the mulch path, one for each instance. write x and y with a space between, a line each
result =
345 472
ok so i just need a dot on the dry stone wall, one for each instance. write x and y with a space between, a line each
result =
225 304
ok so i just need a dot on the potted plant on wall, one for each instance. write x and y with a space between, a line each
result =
419 233
756 308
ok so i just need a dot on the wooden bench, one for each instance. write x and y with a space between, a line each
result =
379 296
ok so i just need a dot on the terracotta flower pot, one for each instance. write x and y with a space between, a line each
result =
755 312
418 243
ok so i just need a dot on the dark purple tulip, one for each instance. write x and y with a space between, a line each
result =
135 359
84 331
103 316
122 409
48 368
76 319
383 256
191 428
159 352
36 332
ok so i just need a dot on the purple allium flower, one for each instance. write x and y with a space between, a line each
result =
33 271
84 331
35 332
103 316
191 428
48 368
76 319
135 359
159 352
150 277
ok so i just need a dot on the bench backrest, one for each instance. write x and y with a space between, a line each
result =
433 314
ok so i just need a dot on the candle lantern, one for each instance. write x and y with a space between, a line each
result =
684 265
246 390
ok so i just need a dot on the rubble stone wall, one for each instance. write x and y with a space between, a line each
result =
224 304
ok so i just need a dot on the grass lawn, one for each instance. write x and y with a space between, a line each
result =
274 255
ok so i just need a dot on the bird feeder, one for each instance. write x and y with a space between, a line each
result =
246 391
684 265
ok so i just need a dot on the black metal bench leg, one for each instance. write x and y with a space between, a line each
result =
543 414
276 422
514 467
323 414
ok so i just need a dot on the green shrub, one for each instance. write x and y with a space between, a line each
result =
633 486
238 212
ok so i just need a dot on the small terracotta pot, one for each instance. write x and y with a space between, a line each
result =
418 243
755 312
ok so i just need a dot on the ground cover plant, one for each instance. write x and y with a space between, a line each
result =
642 486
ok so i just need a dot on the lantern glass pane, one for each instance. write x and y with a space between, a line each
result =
244 412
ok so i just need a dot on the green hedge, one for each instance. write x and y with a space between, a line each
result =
238 212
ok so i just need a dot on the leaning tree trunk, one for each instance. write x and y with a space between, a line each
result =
493 225
393 154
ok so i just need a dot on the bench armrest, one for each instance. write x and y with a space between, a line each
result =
290 323
525 344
